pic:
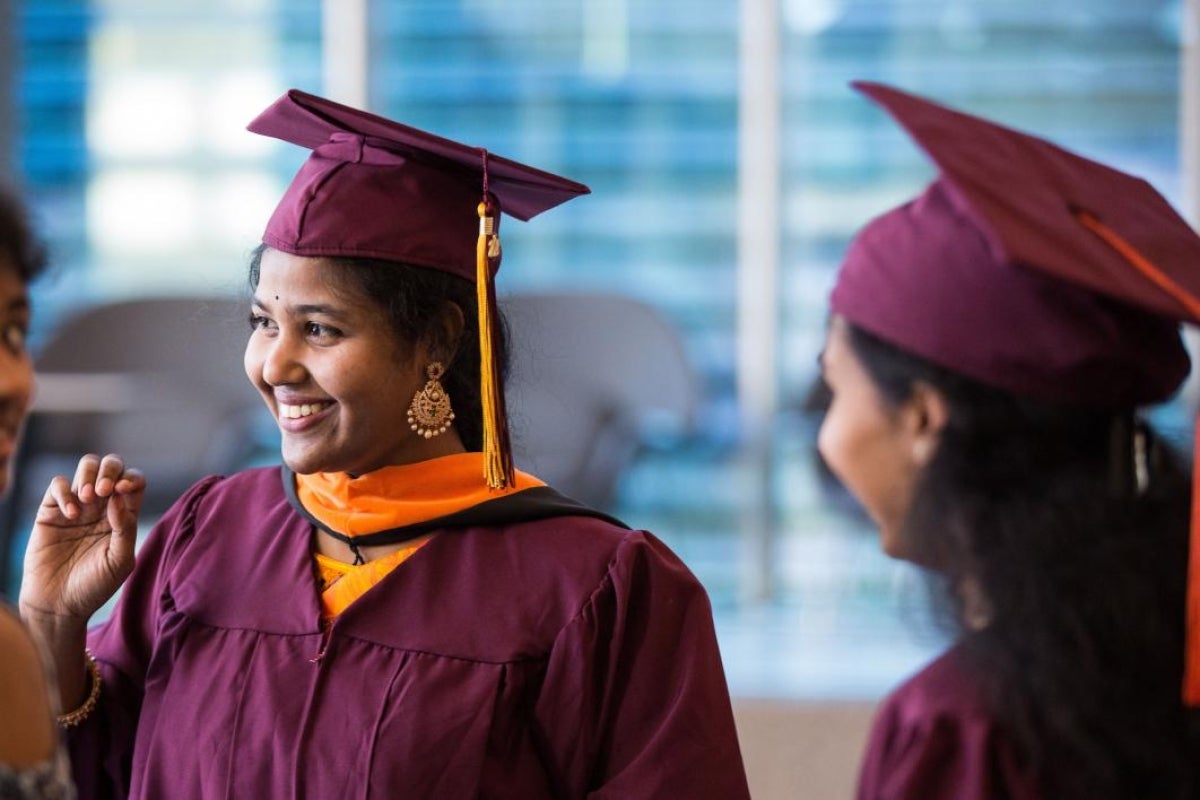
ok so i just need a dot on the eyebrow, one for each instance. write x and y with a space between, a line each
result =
19 305
306 308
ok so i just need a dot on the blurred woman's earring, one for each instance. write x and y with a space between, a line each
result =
430 413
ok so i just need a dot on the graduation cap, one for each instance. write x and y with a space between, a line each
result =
1034 270
375 188
1026 267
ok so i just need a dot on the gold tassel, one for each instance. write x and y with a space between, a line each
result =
497 455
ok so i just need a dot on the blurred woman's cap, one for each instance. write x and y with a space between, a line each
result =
1026 267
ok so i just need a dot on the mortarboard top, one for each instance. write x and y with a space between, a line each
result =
375 188
1026 266
1035 270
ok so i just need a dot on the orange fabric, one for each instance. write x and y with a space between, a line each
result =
1191 661
1191 658
392 497
407 494
344 583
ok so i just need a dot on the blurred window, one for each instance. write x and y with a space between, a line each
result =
131 142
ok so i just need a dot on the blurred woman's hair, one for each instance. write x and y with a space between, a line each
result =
1036 509
18 244
413 300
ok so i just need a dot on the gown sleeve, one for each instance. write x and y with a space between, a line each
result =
931 740
639 666
101 747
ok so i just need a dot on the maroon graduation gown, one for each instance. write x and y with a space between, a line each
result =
558 658
933 739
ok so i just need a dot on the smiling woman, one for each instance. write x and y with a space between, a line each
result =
31 763
398 609
330 369
21 260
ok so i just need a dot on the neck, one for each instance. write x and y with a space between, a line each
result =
448 444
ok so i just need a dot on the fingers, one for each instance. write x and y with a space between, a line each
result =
95 479
131 486
60 496
111 468
123 521
98 477
127 492
84 482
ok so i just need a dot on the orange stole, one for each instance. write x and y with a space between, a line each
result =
391 497
344 583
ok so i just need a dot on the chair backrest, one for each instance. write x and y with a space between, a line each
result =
595 378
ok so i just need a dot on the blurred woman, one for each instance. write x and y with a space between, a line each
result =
992 345
32 764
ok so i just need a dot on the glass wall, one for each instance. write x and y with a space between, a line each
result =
132 144
1100 77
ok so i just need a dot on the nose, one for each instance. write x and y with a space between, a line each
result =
16 384
281 364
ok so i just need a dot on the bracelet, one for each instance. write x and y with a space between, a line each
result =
89 705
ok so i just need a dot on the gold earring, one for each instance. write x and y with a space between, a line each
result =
430 413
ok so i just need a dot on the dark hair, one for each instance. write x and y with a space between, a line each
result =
18 244
412 298
1081 658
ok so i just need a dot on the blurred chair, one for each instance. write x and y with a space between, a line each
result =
158 380
595 379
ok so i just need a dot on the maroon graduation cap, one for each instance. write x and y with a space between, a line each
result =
1034 270
1026 267
375 188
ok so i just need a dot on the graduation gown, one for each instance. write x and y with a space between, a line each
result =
562 657
934 739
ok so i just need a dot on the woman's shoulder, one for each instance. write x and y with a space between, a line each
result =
596 545
935 736
27 734
249 491
248 500
20 661
945 686
266 480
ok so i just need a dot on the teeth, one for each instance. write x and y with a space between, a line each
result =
296 412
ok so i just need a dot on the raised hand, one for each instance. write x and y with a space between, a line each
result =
81 546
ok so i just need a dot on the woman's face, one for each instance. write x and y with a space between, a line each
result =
332 372
16 367
870 446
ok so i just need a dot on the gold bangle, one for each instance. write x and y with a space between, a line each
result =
89 705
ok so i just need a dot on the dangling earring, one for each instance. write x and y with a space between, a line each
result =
921 450
430 413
